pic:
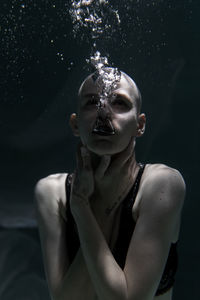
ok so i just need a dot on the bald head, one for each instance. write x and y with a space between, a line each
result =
93 84
134 90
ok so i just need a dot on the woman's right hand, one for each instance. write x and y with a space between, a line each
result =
82 186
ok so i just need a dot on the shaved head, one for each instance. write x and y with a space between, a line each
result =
125 81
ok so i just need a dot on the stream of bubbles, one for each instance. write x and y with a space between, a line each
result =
95 16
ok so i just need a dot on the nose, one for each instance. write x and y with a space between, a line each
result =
104 110
103 124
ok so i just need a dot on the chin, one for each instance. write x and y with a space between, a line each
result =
102 148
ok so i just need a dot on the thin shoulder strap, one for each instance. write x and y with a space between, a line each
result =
68 191
127 224
71 230
68 185
138 178
134 190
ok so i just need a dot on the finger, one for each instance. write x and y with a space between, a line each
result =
74 176
86 158
79 161
102 167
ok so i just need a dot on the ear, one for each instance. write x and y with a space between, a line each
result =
74 124
141 125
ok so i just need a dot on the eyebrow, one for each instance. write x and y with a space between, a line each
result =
89 95
124 95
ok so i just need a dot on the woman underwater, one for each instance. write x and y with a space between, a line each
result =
109 230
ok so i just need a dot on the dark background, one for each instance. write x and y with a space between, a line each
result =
41 67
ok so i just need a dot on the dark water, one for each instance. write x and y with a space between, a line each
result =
41 67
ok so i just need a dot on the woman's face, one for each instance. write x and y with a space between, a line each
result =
121 109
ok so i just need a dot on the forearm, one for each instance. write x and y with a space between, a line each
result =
66 281
73 284
107 277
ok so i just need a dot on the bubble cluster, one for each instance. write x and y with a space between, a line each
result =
106 78
98 61
95 16
37 37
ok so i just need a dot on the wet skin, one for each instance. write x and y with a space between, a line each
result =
120 108
106 169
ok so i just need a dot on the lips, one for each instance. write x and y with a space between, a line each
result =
103 127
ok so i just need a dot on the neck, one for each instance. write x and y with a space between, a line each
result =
106 198
95 159
120 173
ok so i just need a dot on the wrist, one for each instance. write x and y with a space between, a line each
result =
79 204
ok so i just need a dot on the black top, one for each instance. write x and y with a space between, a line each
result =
127 225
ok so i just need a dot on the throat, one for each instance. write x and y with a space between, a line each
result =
116 183
107 201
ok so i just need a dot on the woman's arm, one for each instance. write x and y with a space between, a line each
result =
64 281
161 203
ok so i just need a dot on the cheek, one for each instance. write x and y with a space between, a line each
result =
126 124
85 123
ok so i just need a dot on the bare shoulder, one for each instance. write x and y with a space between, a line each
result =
50 188
161 172
164 185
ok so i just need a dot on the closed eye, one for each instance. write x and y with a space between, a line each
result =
92 101
119 101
